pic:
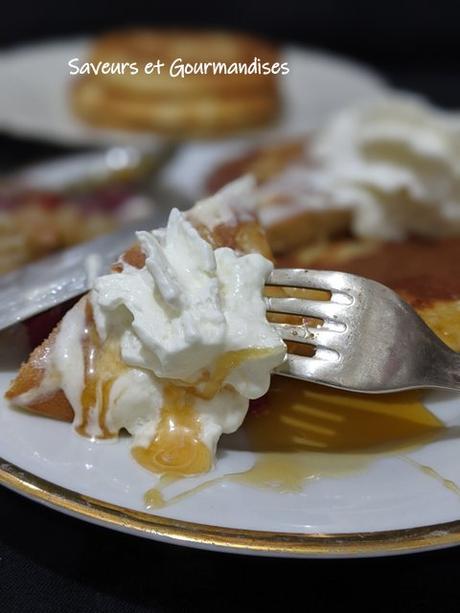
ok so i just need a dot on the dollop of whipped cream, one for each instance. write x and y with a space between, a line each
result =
395 163
178 317
187 306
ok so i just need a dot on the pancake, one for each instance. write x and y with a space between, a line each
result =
287 225
205 115
193 103
262 163
32 228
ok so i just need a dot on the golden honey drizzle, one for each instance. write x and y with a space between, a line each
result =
305 432
177 449
154 498
431 472
102 366
212 383
299 416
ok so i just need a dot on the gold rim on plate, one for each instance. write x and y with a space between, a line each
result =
227 539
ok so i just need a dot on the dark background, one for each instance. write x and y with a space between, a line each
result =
49 562
416 43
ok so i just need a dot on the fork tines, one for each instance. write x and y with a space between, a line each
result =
331 312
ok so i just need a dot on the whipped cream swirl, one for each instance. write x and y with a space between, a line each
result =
188 307
395 163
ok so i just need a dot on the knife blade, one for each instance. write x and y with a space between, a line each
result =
41 285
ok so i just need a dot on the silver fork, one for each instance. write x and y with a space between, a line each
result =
371 340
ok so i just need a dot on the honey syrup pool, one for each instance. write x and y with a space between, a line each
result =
301 432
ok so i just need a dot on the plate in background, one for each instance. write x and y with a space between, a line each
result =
34 81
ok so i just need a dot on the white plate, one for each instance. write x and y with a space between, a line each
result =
389 502
35 80
393 503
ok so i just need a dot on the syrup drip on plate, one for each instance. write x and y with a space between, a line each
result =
302 432
431 472
298 416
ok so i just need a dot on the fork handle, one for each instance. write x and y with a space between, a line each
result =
447 374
